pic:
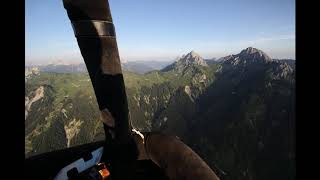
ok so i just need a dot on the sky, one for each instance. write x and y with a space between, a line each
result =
167 29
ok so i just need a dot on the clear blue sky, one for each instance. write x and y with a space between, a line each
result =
165 29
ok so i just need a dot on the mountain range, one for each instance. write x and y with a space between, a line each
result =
236 112
139 67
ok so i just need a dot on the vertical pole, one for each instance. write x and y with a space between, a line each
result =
93 27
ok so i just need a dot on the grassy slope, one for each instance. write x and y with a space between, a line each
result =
75 89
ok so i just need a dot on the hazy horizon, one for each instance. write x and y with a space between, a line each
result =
81 61
165 30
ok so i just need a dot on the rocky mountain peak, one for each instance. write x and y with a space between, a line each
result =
254 54
192 58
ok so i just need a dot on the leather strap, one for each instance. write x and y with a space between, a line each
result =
93 28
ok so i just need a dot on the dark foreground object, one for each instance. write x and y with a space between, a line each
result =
46 166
